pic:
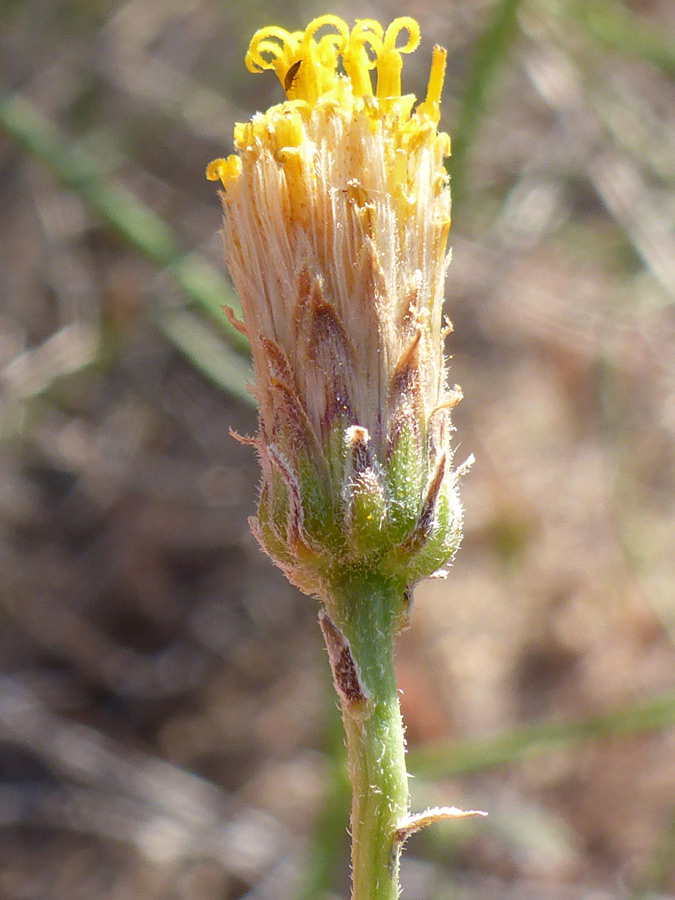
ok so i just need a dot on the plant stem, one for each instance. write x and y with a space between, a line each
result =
359 629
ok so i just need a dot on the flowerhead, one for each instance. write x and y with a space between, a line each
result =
336 214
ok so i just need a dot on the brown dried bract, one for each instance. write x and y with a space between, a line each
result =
345 674
425 521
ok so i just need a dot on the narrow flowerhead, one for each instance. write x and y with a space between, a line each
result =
336 216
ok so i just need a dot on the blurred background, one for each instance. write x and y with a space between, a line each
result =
167 725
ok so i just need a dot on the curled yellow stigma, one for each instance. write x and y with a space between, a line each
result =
329 66
305 66
389 63
342 87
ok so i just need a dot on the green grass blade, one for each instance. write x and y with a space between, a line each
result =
491 49
121 210
614 25
488 753
207 352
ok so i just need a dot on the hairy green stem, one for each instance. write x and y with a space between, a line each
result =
359 628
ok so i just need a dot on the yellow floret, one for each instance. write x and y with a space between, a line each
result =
307 64
224 169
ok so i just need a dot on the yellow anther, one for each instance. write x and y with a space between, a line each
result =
327 70
436 75
389 67
417 134
288 129
431 106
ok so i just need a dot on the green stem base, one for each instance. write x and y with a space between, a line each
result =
359 627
